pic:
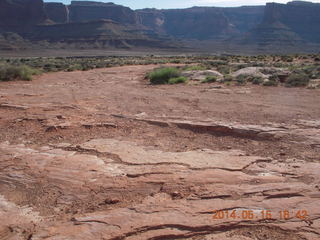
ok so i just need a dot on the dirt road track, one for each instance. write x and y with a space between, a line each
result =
104 155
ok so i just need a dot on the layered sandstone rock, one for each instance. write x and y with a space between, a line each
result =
173 194
90 11
57 12
18 15
202 22
290 23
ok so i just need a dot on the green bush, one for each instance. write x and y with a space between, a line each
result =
274 78
270 83
209 79
241 80
257 80
162 75
195 68
224 69
10 72
297 80
176 80
228 78
273 81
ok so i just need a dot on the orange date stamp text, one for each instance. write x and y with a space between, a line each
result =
247 214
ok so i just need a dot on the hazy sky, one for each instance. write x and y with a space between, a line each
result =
137 4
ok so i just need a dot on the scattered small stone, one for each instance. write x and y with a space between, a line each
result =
60 117
111 201
176 195
215 87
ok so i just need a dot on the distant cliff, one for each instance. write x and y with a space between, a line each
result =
57 12
288 23
202 22
196 23
19 15
96 24
83 11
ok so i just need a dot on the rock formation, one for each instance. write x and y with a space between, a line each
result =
19 15
57 12
99 34
90 11
288 23
202 22
80 160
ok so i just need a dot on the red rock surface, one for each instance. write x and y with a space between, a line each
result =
101 155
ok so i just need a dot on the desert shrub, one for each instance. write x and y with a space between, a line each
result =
75 67
162 75
241 79
274 78
256 80
270 83
176 80
224 69
209 79
195 68
287 58
176 61
10 72
297 80
50 67
228 78
216 63
86 67
313 71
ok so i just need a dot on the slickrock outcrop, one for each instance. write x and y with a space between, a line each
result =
173 200
201 75
79 159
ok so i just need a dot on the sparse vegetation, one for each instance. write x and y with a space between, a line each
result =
297 80
195 68
257 80
270 83
163 75
177 80
209 79
228 78
301 66
224 69
10 72
241 79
